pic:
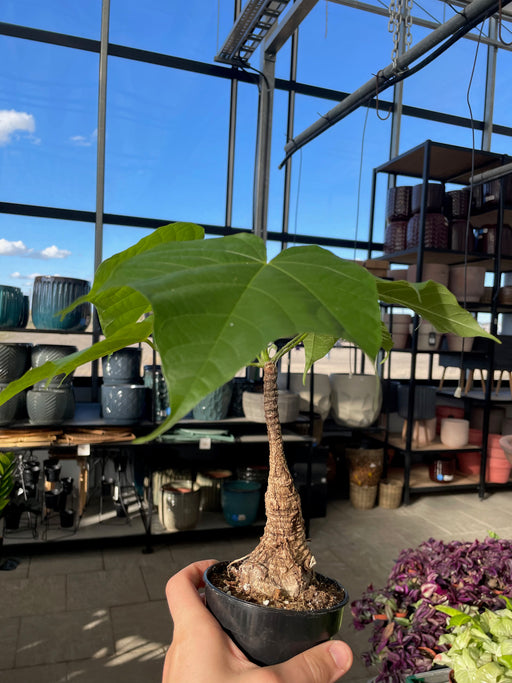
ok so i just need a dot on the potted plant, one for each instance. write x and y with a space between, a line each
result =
480 644
210 307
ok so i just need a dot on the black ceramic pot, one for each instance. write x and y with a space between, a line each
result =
268 635
52 469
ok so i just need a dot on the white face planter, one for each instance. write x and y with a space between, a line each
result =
356 399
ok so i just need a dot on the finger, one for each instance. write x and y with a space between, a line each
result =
323 663
185 603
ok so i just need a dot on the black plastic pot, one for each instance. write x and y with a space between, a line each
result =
52 499
12 516
268 635
52 469
67 518
67 485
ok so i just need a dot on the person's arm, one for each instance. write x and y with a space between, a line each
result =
201 652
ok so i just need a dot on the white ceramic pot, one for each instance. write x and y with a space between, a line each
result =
454 432
356 399
321 391
287 405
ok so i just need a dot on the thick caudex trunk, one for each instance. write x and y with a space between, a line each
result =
281 565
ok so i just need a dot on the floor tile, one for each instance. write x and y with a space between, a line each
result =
65 563
39 595
134 667
105 588
138 626
51 673
8 638
64 637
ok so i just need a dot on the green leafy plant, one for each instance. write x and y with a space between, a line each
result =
210 307
480 644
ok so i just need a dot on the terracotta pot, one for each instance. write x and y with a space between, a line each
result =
399 325
439 272
398 204
395 237
457 202
467 283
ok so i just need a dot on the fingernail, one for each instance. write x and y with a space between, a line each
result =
341 654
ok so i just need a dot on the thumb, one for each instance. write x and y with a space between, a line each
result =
324 663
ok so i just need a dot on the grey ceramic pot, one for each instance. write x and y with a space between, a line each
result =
14 361
8 409
215 405
11 306
123 403
122 367
47 406
42 353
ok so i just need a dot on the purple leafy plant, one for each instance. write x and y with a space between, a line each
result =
406 624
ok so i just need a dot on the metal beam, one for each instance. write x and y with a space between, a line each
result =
288 25
474 13
490 82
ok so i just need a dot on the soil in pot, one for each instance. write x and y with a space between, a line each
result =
280 628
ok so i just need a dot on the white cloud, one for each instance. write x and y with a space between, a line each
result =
84 140
12 121
18 248
8 248
54 252
17 275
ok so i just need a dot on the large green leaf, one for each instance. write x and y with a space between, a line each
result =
120 307
433 302
217 304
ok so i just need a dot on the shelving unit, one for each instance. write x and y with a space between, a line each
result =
445 163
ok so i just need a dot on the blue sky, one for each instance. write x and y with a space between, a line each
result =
167 130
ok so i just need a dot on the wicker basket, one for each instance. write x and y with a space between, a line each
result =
363 497
390 493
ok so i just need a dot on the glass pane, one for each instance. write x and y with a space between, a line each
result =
195 29
443 84
116 238
344 64
76 18
331 189
167 141
48 122
245 146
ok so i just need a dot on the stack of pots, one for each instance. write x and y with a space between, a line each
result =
398 211
123 394
14 361
53 402
436 233
462 237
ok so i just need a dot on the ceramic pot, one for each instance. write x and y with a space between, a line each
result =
122 367
467 283
457 202
456 343
25 312
268 635
181 505
123 403
424 402
436 231
435 198
428 337
395 237
51 295
8 409
215 405
454 432
439 272
399 325
240 500
14 361
356 399
287 404
211 484
11 306
398 203
321 391
47 406
52 499
43 353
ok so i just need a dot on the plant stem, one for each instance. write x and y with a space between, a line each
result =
282 560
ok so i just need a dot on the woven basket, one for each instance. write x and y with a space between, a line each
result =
390 493
363 497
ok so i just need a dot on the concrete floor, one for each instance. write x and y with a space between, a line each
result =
100 615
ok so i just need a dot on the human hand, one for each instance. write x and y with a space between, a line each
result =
201 652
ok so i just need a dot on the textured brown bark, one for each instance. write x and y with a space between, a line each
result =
281 563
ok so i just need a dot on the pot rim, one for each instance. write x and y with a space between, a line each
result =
286 613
